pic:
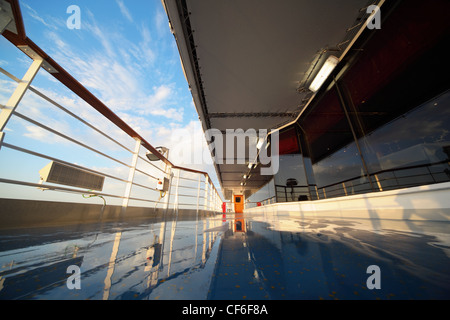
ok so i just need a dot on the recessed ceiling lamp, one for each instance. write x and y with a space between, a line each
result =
324 72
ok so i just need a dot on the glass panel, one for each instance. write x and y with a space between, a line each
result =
290 181
399 105
336 162
413 149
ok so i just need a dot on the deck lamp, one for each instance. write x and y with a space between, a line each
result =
153 157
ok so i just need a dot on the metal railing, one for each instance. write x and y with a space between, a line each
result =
126 182
383 180
395 178
264 202
291 193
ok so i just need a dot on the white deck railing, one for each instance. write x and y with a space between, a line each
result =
136 185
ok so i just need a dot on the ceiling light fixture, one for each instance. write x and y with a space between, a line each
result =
324 72
260 143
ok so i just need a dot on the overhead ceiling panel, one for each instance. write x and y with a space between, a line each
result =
252 56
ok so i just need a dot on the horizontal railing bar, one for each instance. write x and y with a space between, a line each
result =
86 123
57 188
67 137
56 104
142 186
9 75
77 88
393 170
147 174
186 187
149 162
195 180
187 195
78 118
37 154
190 196
43 96
201 189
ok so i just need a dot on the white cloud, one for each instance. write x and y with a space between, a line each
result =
118 77
124 10
160 20
33 14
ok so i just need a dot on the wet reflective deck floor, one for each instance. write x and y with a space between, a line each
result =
234 257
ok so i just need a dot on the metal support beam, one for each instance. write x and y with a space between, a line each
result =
355 137
17 95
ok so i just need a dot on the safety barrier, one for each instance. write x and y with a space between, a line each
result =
87 136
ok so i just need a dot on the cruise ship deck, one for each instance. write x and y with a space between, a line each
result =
234 257
329 133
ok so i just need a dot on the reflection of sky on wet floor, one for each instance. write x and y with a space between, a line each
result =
250 257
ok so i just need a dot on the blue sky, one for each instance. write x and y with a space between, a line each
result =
126 55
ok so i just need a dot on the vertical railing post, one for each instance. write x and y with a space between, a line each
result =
17 95
209 194
345 189
206 194
176 191
129 185
198 192
378 182
218 205
196 217
169 176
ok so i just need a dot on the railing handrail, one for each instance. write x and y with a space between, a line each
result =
385 171
297 186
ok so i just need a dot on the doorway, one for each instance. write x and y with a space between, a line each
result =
238 203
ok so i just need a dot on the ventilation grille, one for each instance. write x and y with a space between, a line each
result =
59 173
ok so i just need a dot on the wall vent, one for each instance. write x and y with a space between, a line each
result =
56 172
